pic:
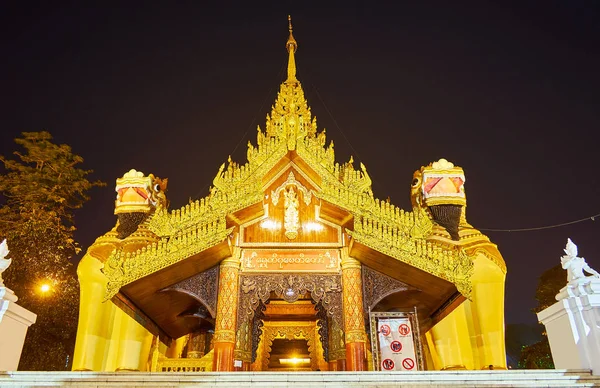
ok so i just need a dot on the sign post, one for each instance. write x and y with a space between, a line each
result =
395 341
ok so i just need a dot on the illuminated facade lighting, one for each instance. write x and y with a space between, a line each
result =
313 226
294 361
270 224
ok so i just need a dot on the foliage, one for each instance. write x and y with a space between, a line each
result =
549 284
41 189
538 355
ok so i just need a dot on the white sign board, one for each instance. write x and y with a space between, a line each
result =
396 344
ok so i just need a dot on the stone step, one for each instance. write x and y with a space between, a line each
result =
485 378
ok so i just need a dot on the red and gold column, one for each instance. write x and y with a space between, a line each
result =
354 322
227 305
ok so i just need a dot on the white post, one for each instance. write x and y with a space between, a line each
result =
14 321
573 323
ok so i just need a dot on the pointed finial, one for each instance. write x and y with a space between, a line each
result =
291 42
291 47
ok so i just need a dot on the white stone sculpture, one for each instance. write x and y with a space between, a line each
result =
578 283
4 263
573 322
575 265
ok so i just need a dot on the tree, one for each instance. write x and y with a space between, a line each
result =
41 188
538 355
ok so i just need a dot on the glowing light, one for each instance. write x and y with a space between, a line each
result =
294 361
45 288
313 226
270 224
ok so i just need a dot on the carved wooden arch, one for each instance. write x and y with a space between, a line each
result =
257 288
377 286
290 331
326 289
203 287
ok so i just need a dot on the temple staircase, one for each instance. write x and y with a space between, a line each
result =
491 378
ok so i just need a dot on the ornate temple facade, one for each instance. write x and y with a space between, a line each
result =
288 264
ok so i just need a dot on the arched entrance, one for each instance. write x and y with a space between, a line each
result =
293 307
291 331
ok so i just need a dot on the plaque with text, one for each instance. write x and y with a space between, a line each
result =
288 260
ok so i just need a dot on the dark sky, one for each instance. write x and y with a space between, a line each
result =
510 91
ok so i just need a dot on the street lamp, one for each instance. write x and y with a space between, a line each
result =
44 288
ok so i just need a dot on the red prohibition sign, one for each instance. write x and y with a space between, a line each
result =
408 363
396 346
387 364
403 329
385 330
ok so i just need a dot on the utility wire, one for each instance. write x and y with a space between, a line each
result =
590 218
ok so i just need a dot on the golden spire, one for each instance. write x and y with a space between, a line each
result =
291 46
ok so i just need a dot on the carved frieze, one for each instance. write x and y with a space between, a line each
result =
203 286
257 325
323 329
289 287
377 286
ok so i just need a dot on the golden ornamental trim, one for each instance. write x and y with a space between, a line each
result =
356 336
165 364
452 265
122 269
224 336
493 258
242 355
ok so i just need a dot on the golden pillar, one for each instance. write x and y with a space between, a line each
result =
196 346
354 320
227 305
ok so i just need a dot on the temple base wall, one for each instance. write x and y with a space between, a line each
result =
573 331
14 322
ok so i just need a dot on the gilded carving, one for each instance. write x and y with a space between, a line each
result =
354 319
291 221
377 286
356 336
289 287
124 268
453 265
291 181
224 336
291 331
227 304
323 328
184 364
337 344
243 342
257 325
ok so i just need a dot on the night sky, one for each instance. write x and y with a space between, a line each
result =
508 91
